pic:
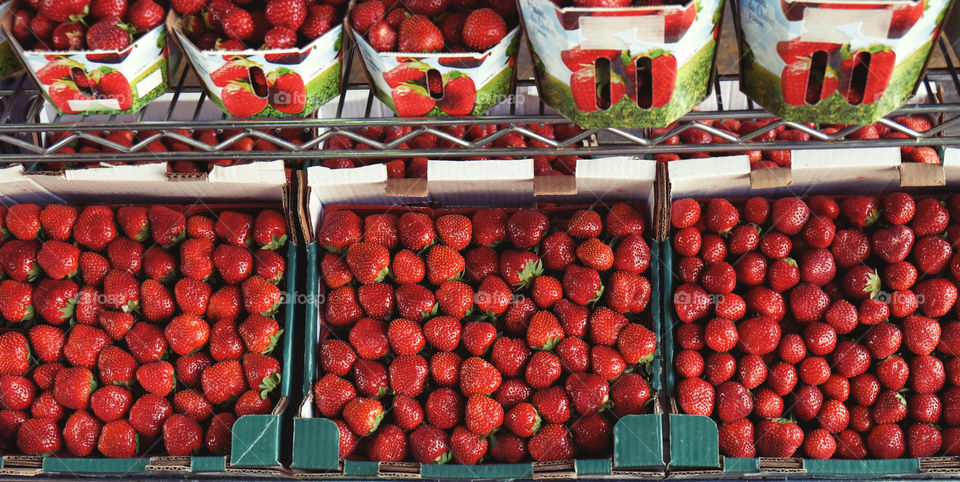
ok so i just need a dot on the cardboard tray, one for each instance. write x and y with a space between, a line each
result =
694 449
670 48
638 439
147 64
257 446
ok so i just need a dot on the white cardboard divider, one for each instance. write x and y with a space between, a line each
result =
481 183
16 188
710 177
815 171
615 179
874 169
359 185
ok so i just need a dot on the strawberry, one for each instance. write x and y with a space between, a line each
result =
387 444
16 301
483 29
581 285
408 373
110 403
368 262
886 441
57 221
363 415
80 433
109 34
418 34
365 14
429 445
39 436
320 19
218 436
182 436
260 296
551 442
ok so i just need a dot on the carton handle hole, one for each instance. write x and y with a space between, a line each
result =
818 72
79 77
435 83
858 78
602 69
258 81
644 83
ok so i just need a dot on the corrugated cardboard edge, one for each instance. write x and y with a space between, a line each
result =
916 174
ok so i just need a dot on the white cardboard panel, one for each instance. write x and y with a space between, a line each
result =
610 179
710 177
869 170
481 183
360 185
16 188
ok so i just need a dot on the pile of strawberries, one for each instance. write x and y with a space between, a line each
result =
63 24
781 158
417 167
247 24
426 26
508 334
135 330
821 327
208 136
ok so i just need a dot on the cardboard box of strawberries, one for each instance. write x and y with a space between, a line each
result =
808 331
622 63
844 62
143 337
437 58
480 342
279 58
92 56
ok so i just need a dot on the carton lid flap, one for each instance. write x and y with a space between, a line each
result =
156 172
269 172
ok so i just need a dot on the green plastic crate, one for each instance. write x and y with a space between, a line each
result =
694 449
638 439
257 445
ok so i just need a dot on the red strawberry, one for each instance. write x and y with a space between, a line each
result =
419 34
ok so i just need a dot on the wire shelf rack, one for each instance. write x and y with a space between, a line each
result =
25 121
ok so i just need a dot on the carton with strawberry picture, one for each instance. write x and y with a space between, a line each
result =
92 56
9 63
845 62
279 60
437 58
622 63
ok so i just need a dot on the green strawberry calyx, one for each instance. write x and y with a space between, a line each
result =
268 384
598 296
531 271
432 312
27 313
873 285
273 342
872 216
275 243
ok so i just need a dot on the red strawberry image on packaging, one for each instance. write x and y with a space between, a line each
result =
236 69
64 95
577 57
412 100
459 95
795 81
792 50
408 71
588 96
286 92
662 80
240 100
868 87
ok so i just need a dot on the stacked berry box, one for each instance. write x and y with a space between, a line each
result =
144 337
117 65
481 343
816 332
9 63
437 58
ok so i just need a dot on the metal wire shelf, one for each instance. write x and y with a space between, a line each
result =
21 128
